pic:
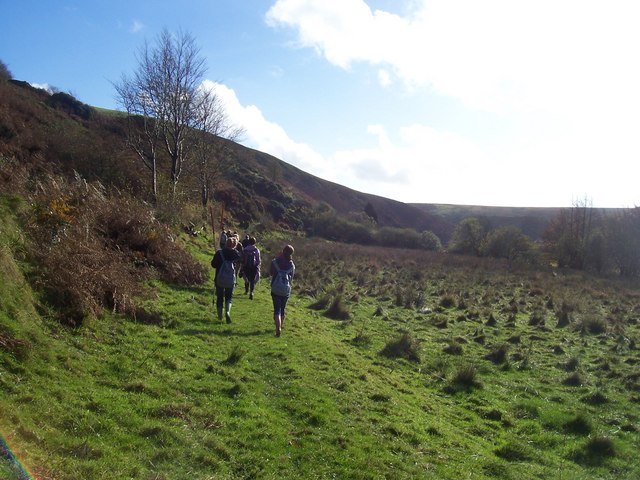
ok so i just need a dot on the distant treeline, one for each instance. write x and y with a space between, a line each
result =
579 237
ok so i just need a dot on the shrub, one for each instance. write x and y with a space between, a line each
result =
5 74
508 242
448 301
403 347
94 249
430 241
595 398
453 348
14 346
601 446
321 303
564 314
596 450
572 364
235 356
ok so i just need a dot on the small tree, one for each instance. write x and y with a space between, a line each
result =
371 212
568 235
468 237
5 74
623 242
508 242
430 241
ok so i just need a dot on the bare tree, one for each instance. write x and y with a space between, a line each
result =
166 91
212 126
569 234
143 129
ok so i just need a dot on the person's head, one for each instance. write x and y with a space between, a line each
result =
231 242
252 241
287 252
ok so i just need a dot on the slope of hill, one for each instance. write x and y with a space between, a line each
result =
60 131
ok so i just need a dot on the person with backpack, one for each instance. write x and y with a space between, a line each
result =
224 262
250 266
282 271
223 239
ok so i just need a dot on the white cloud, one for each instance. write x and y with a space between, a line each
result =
422 164
43 86
496 55
563 73
267 136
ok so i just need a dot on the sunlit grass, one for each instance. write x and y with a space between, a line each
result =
191 397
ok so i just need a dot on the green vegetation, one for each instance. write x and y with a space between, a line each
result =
188 397
396 360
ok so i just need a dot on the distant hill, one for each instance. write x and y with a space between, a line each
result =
531 220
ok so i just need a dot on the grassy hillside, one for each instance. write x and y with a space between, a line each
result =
391 365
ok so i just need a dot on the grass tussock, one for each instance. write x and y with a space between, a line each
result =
402 347
464 378
338 309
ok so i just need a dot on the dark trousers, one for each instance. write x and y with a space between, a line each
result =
223 297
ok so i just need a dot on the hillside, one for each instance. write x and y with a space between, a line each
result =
65 134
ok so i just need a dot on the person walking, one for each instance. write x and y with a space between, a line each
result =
251 266
224 262
223 238
282 271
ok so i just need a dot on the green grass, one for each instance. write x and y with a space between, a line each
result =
191 397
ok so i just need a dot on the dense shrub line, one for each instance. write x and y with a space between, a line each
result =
93 248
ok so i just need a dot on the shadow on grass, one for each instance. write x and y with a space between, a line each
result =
229 332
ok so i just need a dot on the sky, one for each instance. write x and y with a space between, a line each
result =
470 102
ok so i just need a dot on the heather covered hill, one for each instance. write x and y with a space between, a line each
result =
59 132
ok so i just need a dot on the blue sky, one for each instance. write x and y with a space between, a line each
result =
492 102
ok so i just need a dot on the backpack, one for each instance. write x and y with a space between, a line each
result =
226 277
281 283
250 259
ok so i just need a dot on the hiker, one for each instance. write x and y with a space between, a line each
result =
225 279
251 266
223 239
240 249
245 241
281 271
